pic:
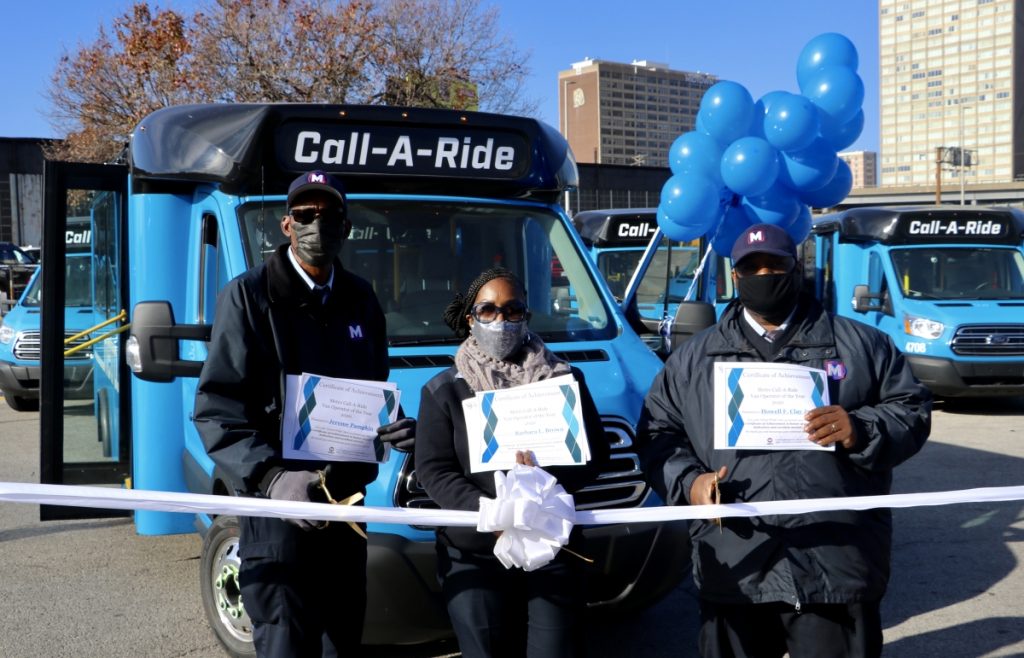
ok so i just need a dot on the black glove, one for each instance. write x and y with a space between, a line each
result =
401 434
298 486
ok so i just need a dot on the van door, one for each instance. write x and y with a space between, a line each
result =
84 430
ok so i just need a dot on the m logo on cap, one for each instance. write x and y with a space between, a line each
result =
317 178
755 236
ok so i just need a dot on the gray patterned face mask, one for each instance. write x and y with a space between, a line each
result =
319 242
500 338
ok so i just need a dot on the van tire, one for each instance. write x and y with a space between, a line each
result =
21 404
218 585
103 422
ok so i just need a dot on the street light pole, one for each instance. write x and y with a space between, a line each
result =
961 142
565 124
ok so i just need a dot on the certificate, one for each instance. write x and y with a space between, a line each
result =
545 417
761 406
330 419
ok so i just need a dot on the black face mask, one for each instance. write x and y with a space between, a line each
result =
772 296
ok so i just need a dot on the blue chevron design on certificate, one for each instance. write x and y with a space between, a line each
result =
819 386
308 404
571 441
735 400
490 422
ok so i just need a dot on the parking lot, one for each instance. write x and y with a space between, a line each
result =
95 588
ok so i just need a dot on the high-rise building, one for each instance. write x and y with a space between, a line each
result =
951 81
627 114
863 165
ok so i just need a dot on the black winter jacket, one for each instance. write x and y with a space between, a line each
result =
269 324
829 557
443 464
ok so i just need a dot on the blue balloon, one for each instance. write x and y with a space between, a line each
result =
677 232
800 228
834 191
809 169
750 166
726 110
761 108
736 220
778 205
829 49
836 90
698 153
791 122
690 201
841 135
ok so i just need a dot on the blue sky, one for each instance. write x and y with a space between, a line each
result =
753 42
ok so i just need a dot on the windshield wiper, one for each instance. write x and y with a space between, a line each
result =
399 341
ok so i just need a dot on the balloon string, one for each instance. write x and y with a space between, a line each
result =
697 273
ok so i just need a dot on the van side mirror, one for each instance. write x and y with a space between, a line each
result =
153 343
863 297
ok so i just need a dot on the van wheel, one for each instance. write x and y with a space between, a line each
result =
21 404
218 584
103 422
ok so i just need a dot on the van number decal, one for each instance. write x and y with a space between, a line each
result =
915 348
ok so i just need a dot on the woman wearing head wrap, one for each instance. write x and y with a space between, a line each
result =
497 611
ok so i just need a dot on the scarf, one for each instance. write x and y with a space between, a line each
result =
532 363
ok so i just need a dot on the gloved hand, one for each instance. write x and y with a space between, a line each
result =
401 434
297 486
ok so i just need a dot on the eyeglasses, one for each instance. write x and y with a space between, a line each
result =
487 312
308 215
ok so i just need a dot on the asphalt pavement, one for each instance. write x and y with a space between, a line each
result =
96 588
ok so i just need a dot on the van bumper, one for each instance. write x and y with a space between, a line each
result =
955 378
23 381
637 564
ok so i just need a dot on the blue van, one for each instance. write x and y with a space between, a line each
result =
946 283
20 335
617 240
435 197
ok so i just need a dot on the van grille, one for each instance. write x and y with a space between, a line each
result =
989 340
621 484
27 346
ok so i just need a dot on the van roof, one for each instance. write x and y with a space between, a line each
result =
925 224
260 148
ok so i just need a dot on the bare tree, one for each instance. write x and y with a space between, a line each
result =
101 92
281 50
430 53
448 53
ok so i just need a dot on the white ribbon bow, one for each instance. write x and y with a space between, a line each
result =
534 513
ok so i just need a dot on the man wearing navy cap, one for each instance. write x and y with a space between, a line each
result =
806 584
303 583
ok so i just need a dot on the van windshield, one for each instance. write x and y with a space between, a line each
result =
418 254
77 284
960 273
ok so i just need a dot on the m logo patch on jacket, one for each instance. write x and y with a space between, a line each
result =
355 331
835 369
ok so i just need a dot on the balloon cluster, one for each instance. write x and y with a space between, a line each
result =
766 162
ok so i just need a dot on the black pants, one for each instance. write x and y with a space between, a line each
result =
769 630
305 591
499 612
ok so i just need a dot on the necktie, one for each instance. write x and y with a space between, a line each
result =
323 292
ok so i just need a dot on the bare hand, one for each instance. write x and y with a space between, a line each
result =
703 490
828 425
525 457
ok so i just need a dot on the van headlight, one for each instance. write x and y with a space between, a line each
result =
922 327
131 354
6 334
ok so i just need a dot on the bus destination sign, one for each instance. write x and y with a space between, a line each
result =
403 150
631 230
958 229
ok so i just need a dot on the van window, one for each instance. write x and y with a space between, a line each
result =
667 279
77 282
418 254
959 273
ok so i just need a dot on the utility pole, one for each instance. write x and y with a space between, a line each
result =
938 175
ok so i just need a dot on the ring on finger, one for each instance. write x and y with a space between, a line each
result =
834 428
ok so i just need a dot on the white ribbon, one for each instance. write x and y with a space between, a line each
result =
164 501
534 514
